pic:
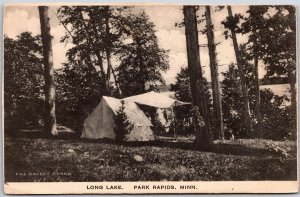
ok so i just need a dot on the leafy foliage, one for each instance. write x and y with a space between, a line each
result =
88 26
100 32
231 103
272 38
277 40
274 35
252 25
141 60
123 125
158 128
96 32
81 83
78 93
23 76
185 123
231 23
275 118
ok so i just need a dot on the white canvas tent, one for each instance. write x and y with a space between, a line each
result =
154 99
164 104
101 123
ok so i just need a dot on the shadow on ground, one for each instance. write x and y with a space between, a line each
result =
226 149
221 148
167 159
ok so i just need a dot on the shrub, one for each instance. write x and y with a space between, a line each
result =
123 125
157 127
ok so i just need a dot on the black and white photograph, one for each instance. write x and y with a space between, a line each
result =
141 98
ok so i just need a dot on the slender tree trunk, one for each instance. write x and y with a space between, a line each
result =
247 119
86 53
108 46
257 94
292 78
50 120
109 66
97 53
103 75
99 57
293 92
203 135
217 105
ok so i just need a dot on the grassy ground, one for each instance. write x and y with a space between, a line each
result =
36 159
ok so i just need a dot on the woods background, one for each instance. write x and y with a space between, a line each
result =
235 65
115 51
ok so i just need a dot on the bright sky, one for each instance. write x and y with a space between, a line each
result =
18 19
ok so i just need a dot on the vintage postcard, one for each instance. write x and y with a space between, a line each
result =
149 99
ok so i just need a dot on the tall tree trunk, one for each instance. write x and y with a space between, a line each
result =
86 53
217 105
292 78
108 46
97 53
293 92
203 135
50 120
257 94
293 126
103 75
246 107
